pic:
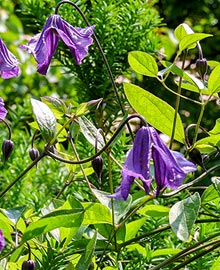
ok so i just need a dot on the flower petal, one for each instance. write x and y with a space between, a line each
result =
43 45
3 111
8 62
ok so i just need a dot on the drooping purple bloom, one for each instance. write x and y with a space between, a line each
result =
3 111
170 167
44 44
137 165
8 62
2 241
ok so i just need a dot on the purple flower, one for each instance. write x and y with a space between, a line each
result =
44 44
8 62
3 111
170 167
2 241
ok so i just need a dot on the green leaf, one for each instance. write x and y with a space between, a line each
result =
214 80
57 106
189 41
66 234
157 112
216 182
6 229
143 63
182 30
183 215
133 227
121 207
216 129
96 213
216 265
155 211
90 132
164 252
45 119
87 255
68 218
209 194
14 213
208 144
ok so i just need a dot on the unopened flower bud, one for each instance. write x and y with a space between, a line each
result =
97 164
201 67
28 265
7 148
34 153
196 157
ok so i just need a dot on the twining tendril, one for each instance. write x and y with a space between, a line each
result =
101 150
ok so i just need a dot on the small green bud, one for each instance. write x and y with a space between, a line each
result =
97 164
28 265
201 67
34 153
7 148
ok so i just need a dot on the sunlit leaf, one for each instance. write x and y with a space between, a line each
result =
155 211
121 207
209 194
96 213
182 30
189 41
57 106
214 80
157 112
68 218
143 63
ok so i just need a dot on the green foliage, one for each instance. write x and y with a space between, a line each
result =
157 112
58 210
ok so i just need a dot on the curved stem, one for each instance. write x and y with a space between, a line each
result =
176 94
100 151
102 53
177 102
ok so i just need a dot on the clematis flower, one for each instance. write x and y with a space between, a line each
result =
2 241
8 62
3 111
44 44
170 167
137 165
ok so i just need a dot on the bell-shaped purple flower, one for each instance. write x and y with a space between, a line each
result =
44 44
137 165
2 241
3 111
8 62
170 167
